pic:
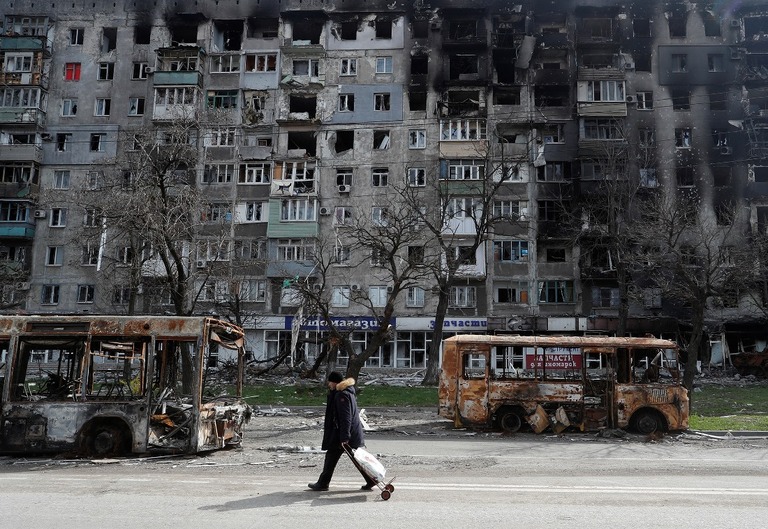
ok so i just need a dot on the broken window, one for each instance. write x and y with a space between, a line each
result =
685 176
348 30
462 30
464 66
380 139
725 211
303 104
683 138
383 27
641 27
681 99
597 28
346 102
721 176
344 176
420 64
381 102
417 100
304 141
345 140
506 96
142 34
552 96
263 28
309 67
420 29
183 33
108 39
677 22
711 24
228 35
718 98
306 32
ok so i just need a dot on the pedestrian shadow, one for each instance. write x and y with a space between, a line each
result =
281 499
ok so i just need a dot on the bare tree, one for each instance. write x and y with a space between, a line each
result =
380 247
692 260
456 207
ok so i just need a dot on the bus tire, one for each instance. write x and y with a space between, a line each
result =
510 420
106 438
647 422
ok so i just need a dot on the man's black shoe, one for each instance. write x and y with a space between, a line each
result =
367 487
317 487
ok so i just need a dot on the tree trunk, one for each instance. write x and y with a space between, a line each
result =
433 354
697 335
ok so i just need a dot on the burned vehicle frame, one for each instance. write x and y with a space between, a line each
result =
112 385
560 382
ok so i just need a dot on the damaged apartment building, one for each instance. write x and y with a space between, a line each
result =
322 106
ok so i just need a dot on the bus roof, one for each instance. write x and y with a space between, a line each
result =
564 341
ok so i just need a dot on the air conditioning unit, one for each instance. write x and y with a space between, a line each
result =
735 23
355 287
344 189
22 285
631 99
202 263
629 65
725 150
390 289
735 54
39 213
324 211
149 70
316 287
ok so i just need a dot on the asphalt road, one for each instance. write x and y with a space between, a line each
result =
459 480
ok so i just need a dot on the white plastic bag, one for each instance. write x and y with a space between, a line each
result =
370 464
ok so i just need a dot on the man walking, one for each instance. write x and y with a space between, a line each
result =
341 428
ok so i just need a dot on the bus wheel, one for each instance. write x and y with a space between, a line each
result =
106 439
510 421
646 422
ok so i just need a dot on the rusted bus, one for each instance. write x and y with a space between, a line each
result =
557 382
115 384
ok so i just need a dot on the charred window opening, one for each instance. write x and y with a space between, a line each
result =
420 29
760 173
464 67
303 104
552 96
681 99
228 34
183 33
474 366
755 27
48 369
598 60
711 24
303 140
762 218
641 27
597 28
685 176
262 28
307 31
142 34
463 102
504 64
383 27
462 30
718 98
506 96
417 101
108 39
677 22
347 30
721 176
642 62
345 141
420 64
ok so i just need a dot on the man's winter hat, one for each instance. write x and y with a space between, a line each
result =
335 377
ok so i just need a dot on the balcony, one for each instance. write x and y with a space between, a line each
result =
21 153
23 78
22 116
178 78
24 43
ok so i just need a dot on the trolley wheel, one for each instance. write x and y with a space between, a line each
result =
389 487
386 494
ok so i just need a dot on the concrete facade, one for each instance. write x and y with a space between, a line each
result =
321 107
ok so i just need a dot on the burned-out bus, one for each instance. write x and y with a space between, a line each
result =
557 382
111 385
